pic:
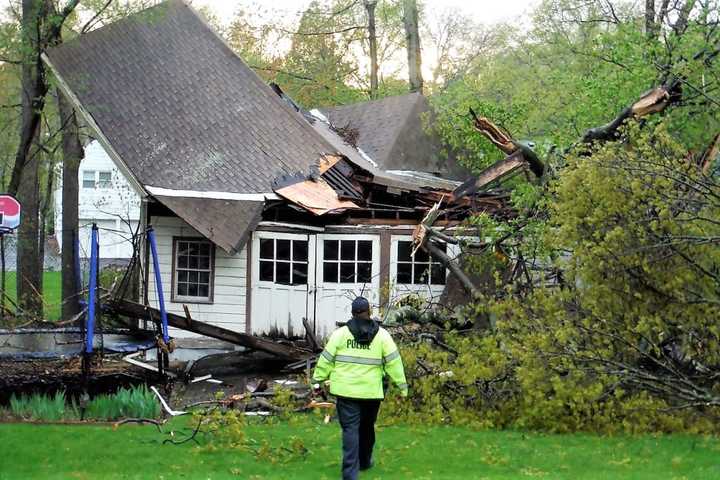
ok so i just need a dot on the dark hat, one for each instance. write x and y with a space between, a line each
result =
360 304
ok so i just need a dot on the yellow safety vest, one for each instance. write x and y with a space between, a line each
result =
357 371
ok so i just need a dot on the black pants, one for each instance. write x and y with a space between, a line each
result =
357 419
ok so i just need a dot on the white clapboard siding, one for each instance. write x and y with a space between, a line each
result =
227 309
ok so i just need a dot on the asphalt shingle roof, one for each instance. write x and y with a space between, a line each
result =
180 108
391 132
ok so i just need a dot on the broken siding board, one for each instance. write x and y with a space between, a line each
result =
230 280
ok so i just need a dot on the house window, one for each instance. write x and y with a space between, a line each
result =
347 261
104 179
419 269
88 178
284 261
193 268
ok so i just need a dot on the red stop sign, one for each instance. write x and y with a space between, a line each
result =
9 212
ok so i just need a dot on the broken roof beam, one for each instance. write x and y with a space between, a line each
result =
136 310
495 172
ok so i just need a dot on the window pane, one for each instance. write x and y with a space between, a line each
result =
204 249
204 290
193 248
192 290
331 249
204 277
182 261
364 250
182 276
105 179
347 250
193 277
182 289
267 248
300 250
299 276
193 262
438 275
347 272
204 262
364 272
266 271
404 251
183 248
422 256
283 249
404 273
420 273
282 273
330 272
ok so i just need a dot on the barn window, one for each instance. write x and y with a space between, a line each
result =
284 261
193 270
420 268
347 261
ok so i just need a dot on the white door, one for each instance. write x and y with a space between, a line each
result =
283 268
348 266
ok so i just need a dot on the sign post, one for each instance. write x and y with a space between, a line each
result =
9 221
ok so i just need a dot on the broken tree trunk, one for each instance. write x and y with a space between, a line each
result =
138 311
653 101
506 143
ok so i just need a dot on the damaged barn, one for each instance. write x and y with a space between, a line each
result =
260 219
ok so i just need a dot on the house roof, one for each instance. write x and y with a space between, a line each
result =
227 223
391 132
179 108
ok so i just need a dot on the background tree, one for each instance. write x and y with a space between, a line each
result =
412 39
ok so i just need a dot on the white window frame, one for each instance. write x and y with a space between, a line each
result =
410 288
374 257
175 297
292 238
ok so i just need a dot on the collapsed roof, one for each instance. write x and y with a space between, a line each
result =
195 128
392 131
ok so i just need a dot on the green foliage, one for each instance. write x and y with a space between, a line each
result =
134 402
44 408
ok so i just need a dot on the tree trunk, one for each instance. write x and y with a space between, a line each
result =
29 288
24 177
372 40
72 155
650 25
412 37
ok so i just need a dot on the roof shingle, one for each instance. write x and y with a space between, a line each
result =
180 108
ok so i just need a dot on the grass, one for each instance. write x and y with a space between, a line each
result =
136 452
134 402
51 293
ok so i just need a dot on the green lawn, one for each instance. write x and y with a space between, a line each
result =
135 452
51 293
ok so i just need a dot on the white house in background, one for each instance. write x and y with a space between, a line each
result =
105 198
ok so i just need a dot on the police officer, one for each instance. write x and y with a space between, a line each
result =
355 360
